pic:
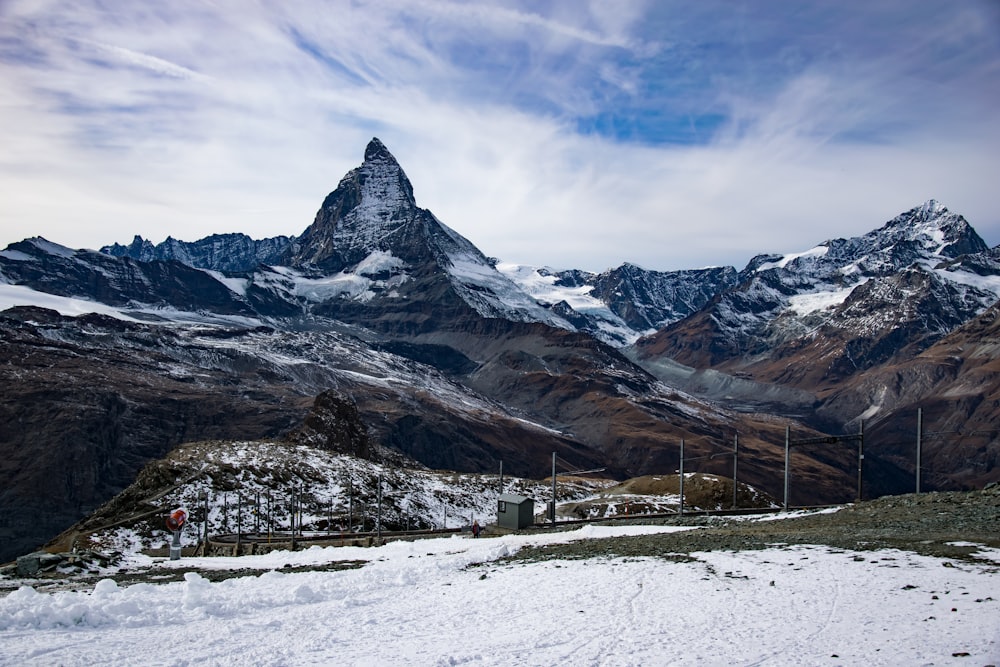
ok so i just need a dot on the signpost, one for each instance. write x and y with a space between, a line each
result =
175 522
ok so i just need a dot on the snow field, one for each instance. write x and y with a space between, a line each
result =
447 601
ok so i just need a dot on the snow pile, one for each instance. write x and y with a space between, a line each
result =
449 601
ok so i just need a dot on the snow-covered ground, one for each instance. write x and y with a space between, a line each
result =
449 602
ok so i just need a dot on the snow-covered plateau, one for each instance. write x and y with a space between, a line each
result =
459 600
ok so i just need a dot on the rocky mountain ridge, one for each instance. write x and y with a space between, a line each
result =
218 252
927 264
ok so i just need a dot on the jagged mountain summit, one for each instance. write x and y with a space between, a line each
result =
218 252
371 240
371 210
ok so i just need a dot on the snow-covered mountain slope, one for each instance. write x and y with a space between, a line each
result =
910 282
109 394
161 289
88 400
251 486
620 305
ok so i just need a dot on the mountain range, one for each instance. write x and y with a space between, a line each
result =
455 360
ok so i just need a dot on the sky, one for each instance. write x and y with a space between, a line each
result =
671 134
453 601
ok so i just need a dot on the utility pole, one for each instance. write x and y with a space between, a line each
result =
295 510
787 448
861 459
378 528
553 511
501 477
736 460
239 520
204 496
680 506
920 428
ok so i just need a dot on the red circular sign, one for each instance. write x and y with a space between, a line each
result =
176 519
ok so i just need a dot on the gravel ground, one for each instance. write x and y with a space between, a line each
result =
933 524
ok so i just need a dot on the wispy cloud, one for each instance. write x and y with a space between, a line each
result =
672 134
143 60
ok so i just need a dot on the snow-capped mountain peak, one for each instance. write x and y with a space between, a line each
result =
386 194
370 210
925 271
371 226
934 228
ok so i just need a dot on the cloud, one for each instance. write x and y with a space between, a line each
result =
143 60
669 134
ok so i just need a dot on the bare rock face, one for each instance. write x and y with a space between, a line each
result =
955 384
88 402
334 424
